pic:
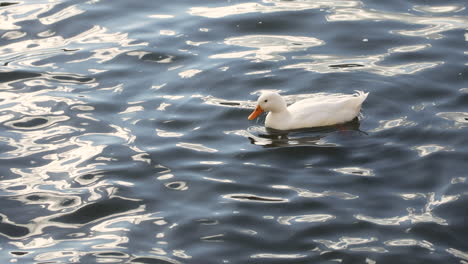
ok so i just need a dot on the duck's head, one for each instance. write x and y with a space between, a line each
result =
268 101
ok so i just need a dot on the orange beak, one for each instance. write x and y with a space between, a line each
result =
255 113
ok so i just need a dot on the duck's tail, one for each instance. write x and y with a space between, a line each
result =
362 95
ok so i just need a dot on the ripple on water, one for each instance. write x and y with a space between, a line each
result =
52 201
17 75
458 253
11 229
267 47
345 242
393 123
177 185
309 194
425 150
11 35
434 25
71 78
98 211
277 256
35 122
312 218
268 6
410 242
357 171
439 9
460 118
414 216
189 73
156 260
196 147
372 63
2 4
243 197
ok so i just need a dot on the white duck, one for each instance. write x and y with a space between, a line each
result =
312 112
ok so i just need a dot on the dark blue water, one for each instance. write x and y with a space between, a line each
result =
124 135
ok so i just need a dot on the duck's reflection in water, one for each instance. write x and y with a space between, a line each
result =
304 137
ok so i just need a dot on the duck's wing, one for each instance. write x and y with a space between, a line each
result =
325 111
330 101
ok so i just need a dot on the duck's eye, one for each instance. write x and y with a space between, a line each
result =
266 101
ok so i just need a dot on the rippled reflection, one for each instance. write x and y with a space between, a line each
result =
285 141
277 256
349 11
267 47
196 147
14 14
331 63
439 9
410 242
163 133
389 124
314 137
287 220
355 171
29 52
431 148
161 16
308 194
460 119
414 216
61 15
242 197
434 25
155 259
189 73
345 242
11 35
458 253
213 238
269 6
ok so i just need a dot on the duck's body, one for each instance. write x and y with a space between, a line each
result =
313 112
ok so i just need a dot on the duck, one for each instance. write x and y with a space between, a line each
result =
319 111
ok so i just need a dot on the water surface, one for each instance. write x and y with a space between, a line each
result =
124 135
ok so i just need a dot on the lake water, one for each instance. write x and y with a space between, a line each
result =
124 135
